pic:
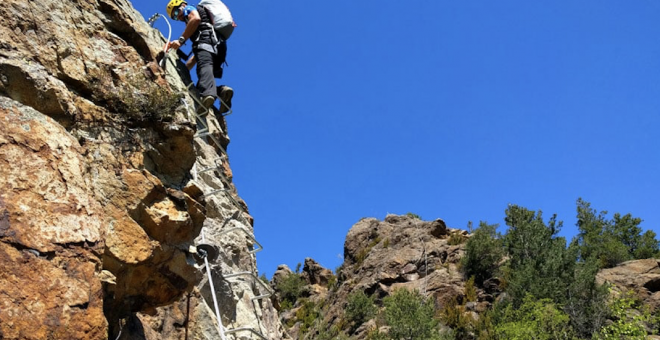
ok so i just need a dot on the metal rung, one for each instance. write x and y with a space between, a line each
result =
204 131
217 164
235 202
202 134
222 102
255 279
226 231
200 114
217 191
249 329
211 168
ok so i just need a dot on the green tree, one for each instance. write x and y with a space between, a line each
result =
648 246
612 241
539 263
410 315
360 308
586 301
483 253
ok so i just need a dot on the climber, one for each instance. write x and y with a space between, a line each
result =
209 46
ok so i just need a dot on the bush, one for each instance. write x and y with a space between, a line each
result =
456 238
290 289
142 99
453 314
360 308
534 319
307 314
410 315
630 320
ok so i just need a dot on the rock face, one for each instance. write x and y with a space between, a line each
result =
639 276
402 251
106 189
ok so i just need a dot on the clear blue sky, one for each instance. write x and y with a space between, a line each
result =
448 109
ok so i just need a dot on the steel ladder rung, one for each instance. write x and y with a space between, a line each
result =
216 191
247 233
249 329
211 168
203 134
254 280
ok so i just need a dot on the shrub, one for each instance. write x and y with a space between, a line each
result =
586 303
534 319
307 314
456 238
360 308
410 315
470 290
290 289
415 216
333 284
142 99
630 320
453 315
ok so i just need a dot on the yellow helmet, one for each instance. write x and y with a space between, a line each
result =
172 5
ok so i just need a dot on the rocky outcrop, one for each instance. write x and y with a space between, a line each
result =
101 200
403 252
380 257
314 274
639 276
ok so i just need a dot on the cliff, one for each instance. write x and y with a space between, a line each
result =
108 185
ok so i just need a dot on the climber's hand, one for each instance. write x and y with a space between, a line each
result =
173 44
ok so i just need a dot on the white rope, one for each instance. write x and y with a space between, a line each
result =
215 299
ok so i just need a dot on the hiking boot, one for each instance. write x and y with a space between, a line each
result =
225 93
208 101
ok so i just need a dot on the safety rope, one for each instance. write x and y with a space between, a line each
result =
221 330
151 22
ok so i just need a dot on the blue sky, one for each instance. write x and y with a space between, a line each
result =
448 109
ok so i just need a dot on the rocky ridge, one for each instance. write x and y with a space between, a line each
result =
103 182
